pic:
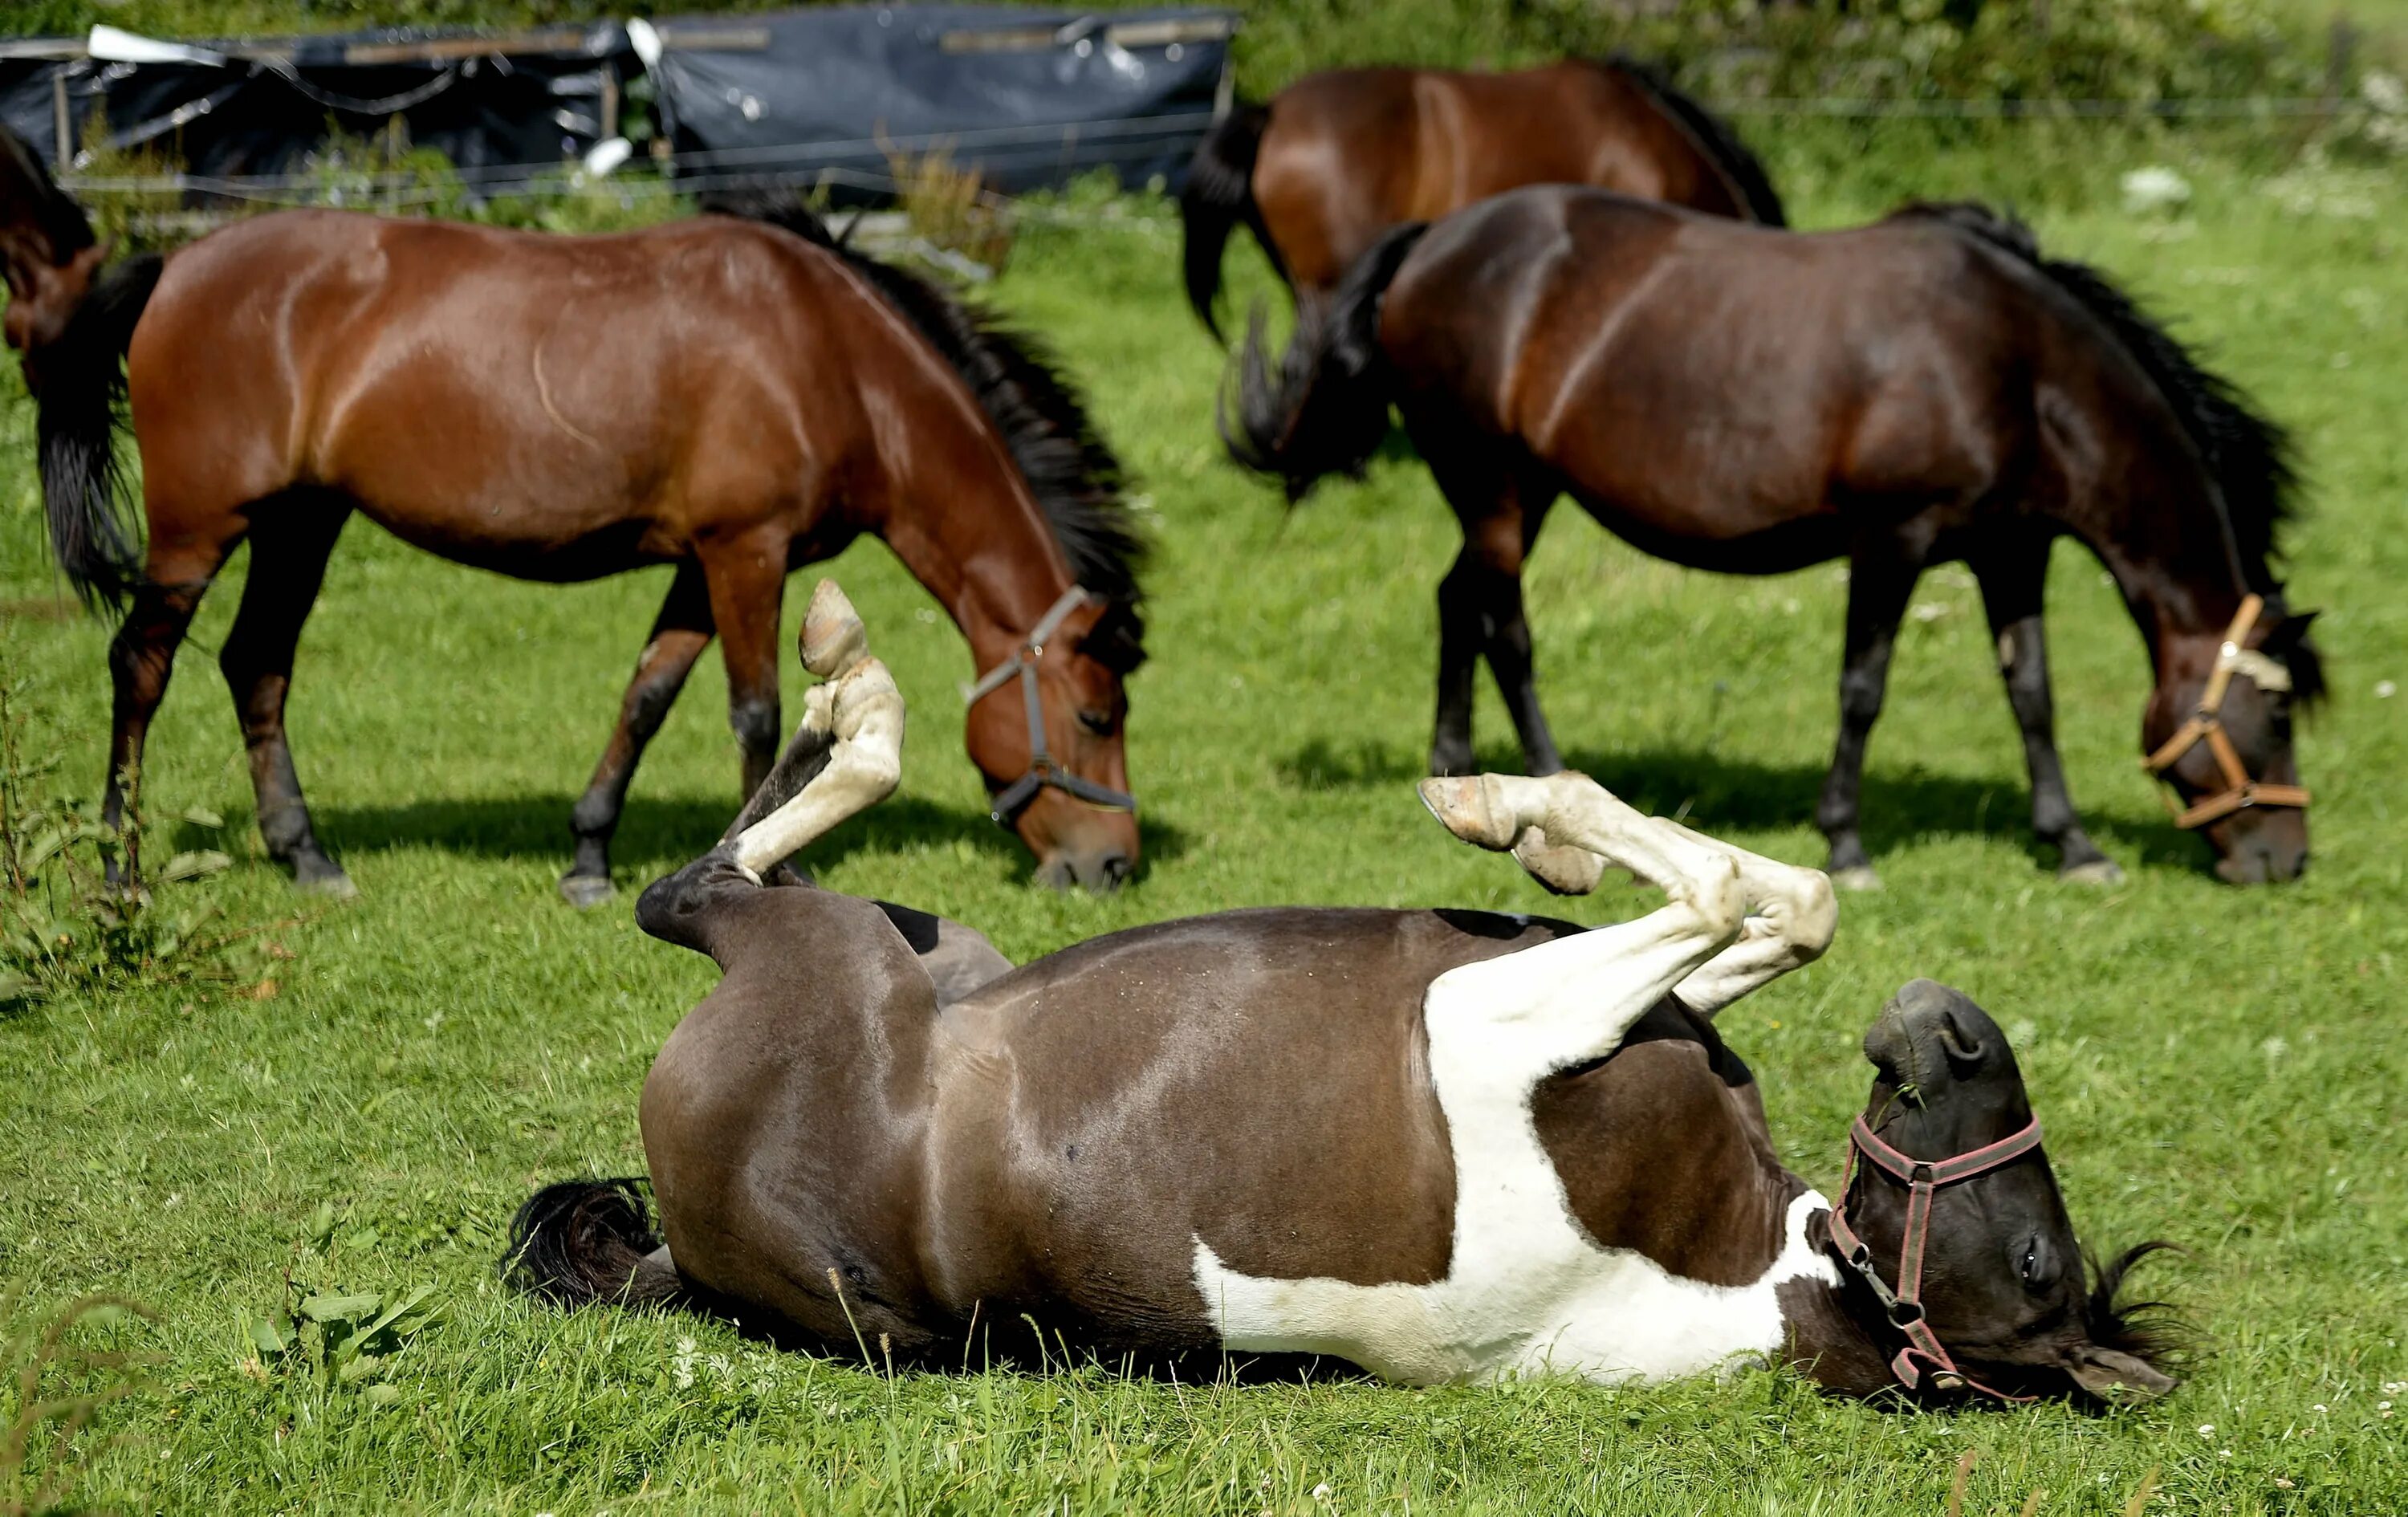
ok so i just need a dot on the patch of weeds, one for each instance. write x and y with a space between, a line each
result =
57 1386
316 1341
65 928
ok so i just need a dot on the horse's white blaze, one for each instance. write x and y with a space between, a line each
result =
1526 1287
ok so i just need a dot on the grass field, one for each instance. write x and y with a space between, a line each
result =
2219 1067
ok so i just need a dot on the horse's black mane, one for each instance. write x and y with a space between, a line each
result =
2146 1330
2249 453
1070 470
1712 135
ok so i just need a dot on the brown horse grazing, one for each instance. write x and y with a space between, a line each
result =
732 397
1438 1145
1336 159
1927 389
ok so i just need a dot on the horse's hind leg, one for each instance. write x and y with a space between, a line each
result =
290 543
850 744
679 634
2014 576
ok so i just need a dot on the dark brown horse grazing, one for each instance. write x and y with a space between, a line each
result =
732 397
1336 159
1927 389
1440 1145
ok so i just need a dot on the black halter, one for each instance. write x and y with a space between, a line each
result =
1014 798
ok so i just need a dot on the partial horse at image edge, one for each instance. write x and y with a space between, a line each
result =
1529 1150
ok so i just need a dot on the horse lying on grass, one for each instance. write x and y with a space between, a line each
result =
1438 1145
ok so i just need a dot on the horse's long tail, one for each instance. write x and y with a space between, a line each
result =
78 384
1220 193
1325 411
583 1241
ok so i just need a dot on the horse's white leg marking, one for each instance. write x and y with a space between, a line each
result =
1527 1288
1791 914
864 712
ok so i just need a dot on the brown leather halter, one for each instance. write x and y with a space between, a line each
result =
1043 769
2207 726
1905 1305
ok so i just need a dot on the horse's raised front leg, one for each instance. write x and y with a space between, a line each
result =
1573 999
290 543
679 634
2014 577
1881 576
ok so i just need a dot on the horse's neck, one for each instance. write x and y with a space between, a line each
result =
2175 562
988 554
1830 1342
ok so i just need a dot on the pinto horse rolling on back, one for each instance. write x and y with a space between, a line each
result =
724 394
1926 389
1335 159
1438 1145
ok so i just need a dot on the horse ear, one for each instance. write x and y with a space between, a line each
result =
2113 1376
2291 631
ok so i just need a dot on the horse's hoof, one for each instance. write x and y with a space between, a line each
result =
1473 807
2098 873
328 882
585 890
1562 869
833 639
1856 877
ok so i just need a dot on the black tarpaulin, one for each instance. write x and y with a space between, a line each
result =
1028 98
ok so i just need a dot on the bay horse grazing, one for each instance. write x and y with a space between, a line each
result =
1338 158
1438 1145
734 396
1926 389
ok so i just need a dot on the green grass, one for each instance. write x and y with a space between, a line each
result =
2221 1067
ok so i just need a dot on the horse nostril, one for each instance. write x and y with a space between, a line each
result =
1112 871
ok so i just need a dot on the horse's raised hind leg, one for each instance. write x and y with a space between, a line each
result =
679 634
1574 998
746 578
846 756
2014 576
1480 609
1881 576
289 544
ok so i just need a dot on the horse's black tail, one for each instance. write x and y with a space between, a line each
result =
583 1241
1220 193
78 384
1326 409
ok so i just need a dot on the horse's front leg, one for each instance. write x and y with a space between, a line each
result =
745 577
1573 999
2014 577
1500 508
1881 576
679 634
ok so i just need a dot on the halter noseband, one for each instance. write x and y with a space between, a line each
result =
1042 770
1905 1305
2207 726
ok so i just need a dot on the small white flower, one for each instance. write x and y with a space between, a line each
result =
2393 1387
2383 1406
2385 690
2155 188
1321 1491
2321 1407
2383 91
2207 1429
2282 1481
2224 1454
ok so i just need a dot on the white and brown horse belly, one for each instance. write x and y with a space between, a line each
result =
1268 1131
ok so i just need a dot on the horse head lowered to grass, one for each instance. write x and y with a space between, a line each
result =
733 395
1438 1145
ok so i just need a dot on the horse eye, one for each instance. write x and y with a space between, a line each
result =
1098 723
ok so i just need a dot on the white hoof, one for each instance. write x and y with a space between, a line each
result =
1473 807
2098 873
833 638
1562 869
1859 877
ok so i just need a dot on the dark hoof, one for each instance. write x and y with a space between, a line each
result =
2098 873
325 879
586 891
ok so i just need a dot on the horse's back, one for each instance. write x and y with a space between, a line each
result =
1255 1081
